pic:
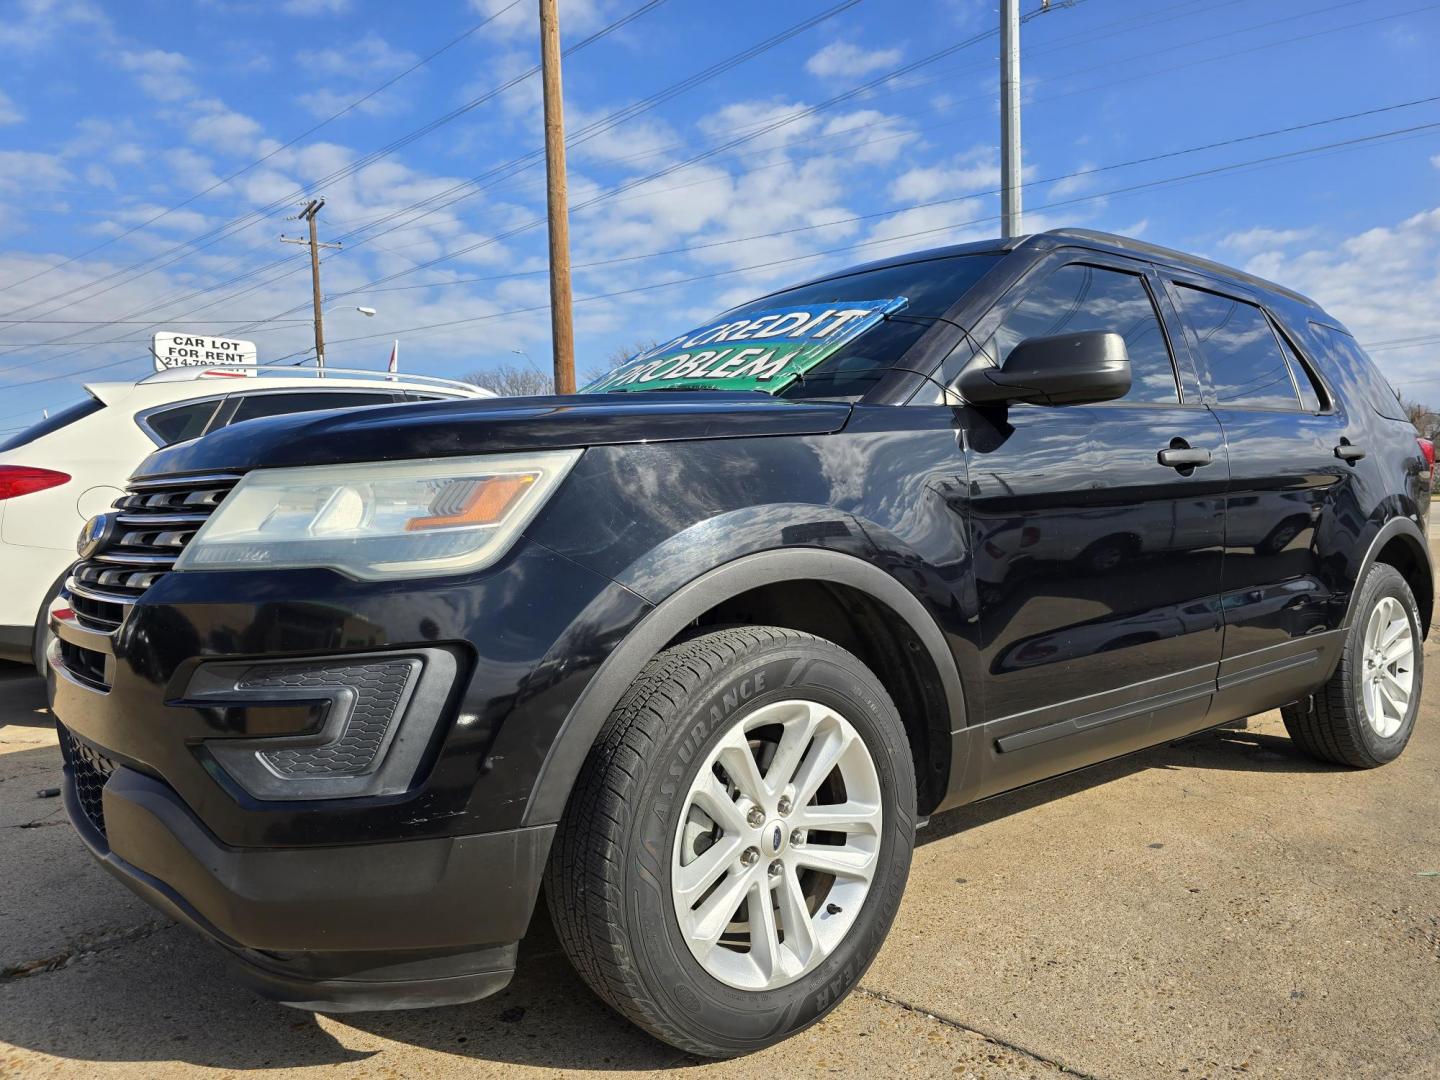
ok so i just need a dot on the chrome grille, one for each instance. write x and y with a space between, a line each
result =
156 519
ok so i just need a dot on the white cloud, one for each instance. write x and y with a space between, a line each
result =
842 60
1256 240
163 75
522 20
315 7
1082 179
9 112
326 103
363 58
1383 283
968 173
218 126
32 25
22 170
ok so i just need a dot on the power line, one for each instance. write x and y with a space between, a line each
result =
614 119
1200 174
851 219
266 157
215 235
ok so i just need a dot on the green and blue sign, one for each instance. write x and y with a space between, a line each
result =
764 350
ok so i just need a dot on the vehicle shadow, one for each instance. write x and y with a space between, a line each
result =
1231 749
22 697
168 996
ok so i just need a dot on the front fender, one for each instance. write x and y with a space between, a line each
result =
688 602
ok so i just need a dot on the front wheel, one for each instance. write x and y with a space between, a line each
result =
736 846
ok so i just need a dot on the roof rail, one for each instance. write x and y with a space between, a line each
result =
241 371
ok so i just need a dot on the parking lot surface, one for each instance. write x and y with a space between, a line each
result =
1218 907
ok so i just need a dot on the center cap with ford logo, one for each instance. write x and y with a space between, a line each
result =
96 535
777 839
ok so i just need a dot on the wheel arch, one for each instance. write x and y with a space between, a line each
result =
933 703
1401 544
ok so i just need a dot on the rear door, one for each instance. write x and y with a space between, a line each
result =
1097 566
1292 467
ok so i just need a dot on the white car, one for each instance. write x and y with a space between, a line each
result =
56 475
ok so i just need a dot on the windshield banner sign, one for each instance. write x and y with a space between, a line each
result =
765 350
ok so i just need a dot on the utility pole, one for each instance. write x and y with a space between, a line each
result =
311 211
1010 211
562 326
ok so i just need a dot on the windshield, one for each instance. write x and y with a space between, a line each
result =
833 338
53 423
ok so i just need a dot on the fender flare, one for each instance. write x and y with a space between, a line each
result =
1396 526
587 716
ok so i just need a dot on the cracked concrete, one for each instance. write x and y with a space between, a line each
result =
1214 908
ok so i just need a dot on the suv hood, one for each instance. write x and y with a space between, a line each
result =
458 428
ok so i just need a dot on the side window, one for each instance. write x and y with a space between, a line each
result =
1246 365
1078 298
1312 392
1353 365
182 422
254 406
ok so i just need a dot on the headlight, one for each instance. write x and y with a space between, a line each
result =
379 520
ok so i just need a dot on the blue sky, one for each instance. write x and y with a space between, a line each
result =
114 113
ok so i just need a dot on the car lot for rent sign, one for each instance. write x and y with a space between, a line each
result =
173 350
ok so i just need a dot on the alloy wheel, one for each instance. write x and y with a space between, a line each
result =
777 844
1389 666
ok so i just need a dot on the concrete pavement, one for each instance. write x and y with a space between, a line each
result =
1219 907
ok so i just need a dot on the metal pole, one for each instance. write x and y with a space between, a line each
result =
1010 210
562 326
315 283
311 211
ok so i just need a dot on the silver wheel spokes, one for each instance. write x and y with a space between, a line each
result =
1389 666
776 845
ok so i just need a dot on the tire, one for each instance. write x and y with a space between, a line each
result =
1339 722
631 820
41 641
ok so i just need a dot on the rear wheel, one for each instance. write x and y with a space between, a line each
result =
737 843
1365 714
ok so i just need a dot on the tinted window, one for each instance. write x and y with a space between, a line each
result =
1078 298
1354 365
181 423
53 423
1246 365
1312 393
932 287
258 405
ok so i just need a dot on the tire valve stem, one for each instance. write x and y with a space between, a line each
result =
833 909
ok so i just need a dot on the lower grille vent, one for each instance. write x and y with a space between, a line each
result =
89 772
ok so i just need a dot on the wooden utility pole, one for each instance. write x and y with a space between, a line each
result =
311 211
1010 164
562 325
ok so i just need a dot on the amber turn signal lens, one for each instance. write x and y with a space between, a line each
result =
488 501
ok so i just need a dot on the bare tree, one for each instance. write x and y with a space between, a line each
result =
513 380
1425 419
527 380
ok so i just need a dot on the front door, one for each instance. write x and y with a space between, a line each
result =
1097 566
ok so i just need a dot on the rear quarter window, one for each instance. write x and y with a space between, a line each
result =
1344 359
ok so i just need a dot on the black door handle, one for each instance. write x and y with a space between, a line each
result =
1347 452
1185 457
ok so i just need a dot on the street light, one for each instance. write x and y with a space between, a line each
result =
368 312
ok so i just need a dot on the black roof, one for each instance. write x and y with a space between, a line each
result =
1086 238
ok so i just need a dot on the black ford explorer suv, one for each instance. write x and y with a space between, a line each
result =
700 648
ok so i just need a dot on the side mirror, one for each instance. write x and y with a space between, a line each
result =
1068 369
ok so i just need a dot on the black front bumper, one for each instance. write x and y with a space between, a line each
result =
416 894
366 926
